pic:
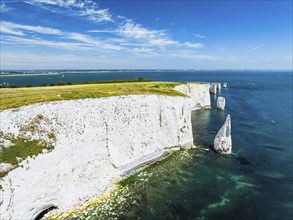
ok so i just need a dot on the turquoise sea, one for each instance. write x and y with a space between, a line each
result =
256 182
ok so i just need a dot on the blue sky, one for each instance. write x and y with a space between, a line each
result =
76 34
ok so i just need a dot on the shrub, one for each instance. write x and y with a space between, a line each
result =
60 84
52 135
28 85
52 84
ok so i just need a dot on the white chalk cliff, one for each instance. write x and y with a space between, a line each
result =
96 141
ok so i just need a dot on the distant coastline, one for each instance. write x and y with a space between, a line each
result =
62 71
28 73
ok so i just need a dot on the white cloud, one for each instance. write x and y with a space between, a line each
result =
134 30
143 50
128 38
22 30
188 55
97 15
60 3
47 43
91 41
161 42
87 8
18 29
7 30
199 36
255 48
4 8
133 34
193 45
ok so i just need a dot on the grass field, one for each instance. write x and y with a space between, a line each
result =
16 97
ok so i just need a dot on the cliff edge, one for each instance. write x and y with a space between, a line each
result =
96 140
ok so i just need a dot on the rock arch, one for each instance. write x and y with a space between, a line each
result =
42 212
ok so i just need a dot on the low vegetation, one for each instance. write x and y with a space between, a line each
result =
14 149
20 149
16 97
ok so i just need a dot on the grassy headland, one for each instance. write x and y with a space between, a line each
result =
16 97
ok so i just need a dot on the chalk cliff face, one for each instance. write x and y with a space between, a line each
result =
96 141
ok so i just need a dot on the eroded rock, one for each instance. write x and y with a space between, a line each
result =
5 167
223 140
5 143
219 86
213 88
221 103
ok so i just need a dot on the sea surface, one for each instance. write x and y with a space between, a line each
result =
255 182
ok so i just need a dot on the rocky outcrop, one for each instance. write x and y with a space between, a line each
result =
97 140
5 167
223 140
213 88
221 103
225 85
198 93
5 143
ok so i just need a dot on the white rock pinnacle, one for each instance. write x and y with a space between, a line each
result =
223 140
221 103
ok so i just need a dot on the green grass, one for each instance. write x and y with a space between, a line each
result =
21 149
16 97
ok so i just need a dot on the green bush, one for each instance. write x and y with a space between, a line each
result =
60 84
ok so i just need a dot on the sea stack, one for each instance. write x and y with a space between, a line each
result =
213 88
225 85
219 86
221 103
223 140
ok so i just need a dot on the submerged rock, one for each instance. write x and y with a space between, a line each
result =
221 103
242 160
223 140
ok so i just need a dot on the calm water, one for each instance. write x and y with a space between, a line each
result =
253 183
